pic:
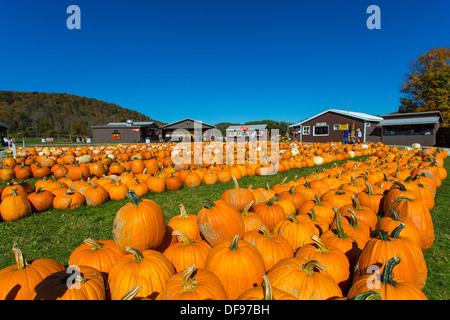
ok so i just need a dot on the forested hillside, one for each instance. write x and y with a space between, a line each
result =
59 113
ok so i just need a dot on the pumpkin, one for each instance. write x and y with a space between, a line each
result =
117 191
237 197
272 246
252 221
306 280
173 182
98 254
139 224
265 292
192 180
270 212
73 283
322 209
187 252
148 269
41 200
296 198
364 214
95 195
69 200
333 259
390 286
297 231
185 222
194 284
350 244
392 220
218 221
15 207
371 199
237 264
156 184
383 247
337 198
415 211
17 282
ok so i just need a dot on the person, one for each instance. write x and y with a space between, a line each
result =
359 133
346 135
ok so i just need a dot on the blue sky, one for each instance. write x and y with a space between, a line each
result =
220 60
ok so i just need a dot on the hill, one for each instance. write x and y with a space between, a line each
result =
59 113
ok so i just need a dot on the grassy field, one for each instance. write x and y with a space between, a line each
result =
54 233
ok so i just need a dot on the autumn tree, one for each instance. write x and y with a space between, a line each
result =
427 85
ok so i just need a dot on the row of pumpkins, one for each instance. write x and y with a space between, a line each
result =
355 231
69 178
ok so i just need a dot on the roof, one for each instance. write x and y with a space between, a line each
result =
187 119
352 114
4 125
133 124
407 121
249 126
436 113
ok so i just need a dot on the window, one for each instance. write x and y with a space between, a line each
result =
320 131
336 126
306 130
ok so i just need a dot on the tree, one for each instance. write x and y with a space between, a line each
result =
427 86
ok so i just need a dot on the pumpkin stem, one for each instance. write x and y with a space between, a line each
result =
264 230
234 243
395 215
271 201
20 257
247 207
292 217
268 291
339 229
318 201
132 293
401 186
183 213
396 232
133 197
369 295
322 248
313 214
310 265
188 280
356 203
401 199
236 184
95 245
387 274
184 237
138 256
209 204
354 219
14 192
382 234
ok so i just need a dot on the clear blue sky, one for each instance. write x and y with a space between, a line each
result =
220 60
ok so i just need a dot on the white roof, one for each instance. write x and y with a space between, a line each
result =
358 115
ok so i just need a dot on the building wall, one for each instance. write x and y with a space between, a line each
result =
373 134
127 135
407 140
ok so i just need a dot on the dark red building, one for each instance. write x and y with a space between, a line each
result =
330 124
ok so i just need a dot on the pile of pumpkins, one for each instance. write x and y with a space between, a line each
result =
72 177
355 231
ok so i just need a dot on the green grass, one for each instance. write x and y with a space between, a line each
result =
55 233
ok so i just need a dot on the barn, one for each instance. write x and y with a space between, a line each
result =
330 124
126 132
408 128
249 132
176 130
